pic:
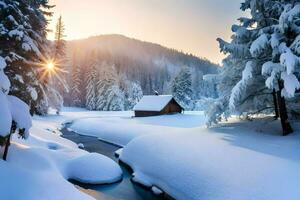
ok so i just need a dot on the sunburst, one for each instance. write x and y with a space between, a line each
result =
49 69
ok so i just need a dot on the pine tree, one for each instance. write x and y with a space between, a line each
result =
24 45
266 43
115 99
134 94
60 43
57 84
91 96
110 96
182 88
75 91
14 115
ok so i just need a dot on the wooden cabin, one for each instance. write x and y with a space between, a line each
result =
154 105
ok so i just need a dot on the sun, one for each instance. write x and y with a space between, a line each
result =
50 66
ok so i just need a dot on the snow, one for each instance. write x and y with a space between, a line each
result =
247 73
289 60
45 162
291 84
269 67
80 146
4 82
29 45
33 93
156 190
35 184
129 128
175 154
236 90
16 33
86 169
234 161
2 63
3 4
20 114
259 45
152 103
5 116
274 40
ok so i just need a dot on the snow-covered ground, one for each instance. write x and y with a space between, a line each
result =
236 161
123 128
179 155
44 162
173 153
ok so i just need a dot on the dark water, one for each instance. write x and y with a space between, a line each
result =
125 189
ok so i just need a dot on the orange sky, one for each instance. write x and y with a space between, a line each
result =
188 25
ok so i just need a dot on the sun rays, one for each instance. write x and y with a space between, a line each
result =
49 69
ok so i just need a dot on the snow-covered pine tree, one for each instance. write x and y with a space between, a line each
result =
265 41
115 98
15 116
135 93
75 85
182 88
23 45
91 89
132 91
110 96
229 76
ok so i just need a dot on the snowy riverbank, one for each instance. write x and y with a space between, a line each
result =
174 153
179 155
43 164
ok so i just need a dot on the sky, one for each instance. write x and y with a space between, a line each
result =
191 26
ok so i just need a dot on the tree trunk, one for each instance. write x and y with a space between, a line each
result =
286 127
275 105
7 144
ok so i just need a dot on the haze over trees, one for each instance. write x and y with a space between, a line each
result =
127 68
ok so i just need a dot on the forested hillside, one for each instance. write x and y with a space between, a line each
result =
122 69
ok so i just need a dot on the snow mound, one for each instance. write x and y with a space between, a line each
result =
20 113
217 164
94 168
5 116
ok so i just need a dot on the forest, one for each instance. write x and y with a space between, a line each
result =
112 72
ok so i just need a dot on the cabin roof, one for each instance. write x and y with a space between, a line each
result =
153 103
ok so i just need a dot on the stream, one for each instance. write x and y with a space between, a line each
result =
125 189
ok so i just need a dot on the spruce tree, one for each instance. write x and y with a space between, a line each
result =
14 115
75 91
91 89
267 43
24 46
110 96
60 43
182 88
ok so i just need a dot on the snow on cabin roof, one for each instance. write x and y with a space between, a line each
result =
153 103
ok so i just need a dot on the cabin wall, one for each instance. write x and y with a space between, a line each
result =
146 113
172 107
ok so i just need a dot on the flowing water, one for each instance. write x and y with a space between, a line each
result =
125 189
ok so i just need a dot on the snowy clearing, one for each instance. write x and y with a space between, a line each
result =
176 154
121 130
230 162
179 155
